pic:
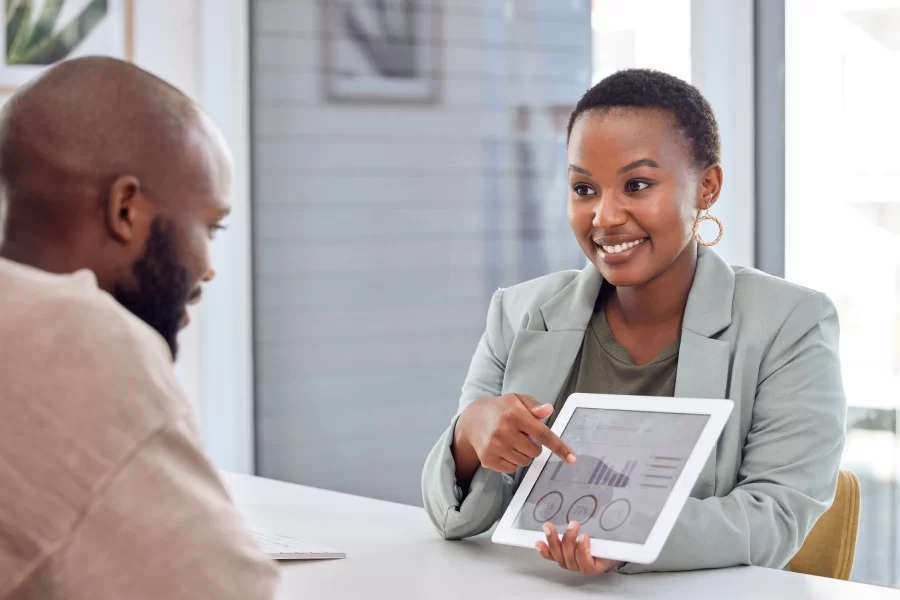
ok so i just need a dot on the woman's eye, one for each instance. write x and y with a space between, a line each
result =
582 189
636 185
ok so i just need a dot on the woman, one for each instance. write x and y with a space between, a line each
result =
656 313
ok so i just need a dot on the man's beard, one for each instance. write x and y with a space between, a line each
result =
162 286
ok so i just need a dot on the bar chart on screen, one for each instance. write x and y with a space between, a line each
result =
604 474
601 473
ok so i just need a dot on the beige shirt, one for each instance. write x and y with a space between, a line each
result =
105 491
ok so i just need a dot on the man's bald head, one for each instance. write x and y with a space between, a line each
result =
96 158
87 121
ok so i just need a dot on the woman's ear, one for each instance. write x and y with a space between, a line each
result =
127 210
710 186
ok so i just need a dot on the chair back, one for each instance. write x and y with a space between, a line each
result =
829 548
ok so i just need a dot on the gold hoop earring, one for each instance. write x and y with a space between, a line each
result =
707 217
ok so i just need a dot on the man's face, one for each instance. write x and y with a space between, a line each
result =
163 285
175 262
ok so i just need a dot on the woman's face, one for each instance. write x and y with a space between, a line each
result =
634 192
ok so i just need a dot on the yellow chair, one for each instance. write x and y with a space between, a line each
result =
829 548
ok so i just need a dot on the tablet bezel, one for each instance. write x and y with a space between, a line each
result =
647 552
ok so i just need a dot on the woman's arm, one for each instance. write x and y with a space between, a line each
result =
791 457
458 513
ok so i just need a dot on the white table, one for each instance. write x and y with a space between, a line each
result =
393 552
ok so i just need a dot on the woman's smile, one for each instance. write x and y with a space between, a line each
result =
617 252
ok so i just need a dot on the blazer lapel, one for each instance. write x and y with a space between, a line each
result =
540 362
703 366
542 355
704 362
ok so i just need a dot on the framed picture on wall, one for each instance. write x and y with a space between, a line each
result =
381 50
39 33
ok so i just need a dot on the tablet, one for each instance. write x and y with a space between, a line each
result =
638 459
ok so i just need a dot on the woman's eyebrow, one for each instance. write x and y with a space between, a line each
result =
644 162
580 170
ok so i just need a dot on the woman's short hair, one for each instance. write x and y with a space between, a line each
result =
646 88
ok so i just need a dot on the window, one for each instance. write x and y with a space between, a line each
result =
625 38
842 224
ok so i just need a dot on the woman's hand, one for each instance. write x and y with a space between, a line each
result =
503 433
573 552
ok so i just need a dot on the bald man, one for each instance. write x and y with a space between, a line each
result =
112 184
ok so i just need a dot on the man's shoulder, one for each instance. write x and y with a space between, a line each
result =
85 384
66 303
69 349
73 351
45 313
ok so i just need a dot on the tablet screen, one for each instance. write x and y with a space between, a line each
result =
627 463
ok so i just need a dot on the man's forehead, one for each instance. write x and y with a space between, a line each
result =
207 161
222 205
212 139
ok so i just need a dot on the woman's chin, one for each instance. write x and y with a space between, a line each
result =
622 275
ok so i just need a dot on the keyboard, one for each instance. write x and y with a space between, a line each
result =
279 547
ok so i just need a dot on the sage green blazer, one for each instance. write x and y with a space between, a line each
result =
768 345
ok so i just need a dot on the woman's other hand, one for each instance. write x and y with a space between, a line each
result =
573 552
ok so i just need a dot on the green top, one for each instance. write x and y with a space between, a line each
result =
603 366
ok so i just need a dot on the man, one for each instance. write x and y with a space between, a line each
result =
111 174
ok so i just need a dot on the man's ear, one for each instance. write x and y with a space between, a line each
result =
710 186
127 210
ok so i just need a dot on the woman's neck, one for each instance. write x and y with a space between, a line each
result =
659 301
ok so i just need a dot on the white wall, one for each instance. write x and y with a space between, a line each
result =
226 336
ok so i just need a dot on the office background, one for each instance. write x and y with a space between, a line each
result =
384 219
386 188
